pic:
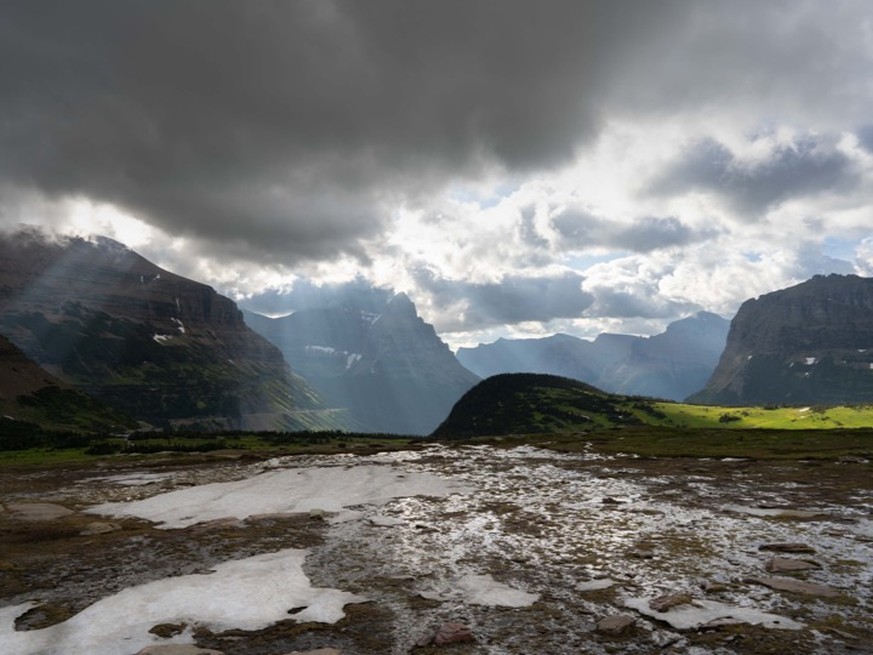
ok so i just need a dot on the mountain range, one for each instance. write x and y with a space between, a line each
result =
669 365
94 336
381 361
153 345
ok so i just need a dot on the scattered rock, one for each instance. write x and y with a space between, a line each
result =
787 564
167 630
317 651
177 649
711 587
842 634
609 500
615 624
97 527
665 602
795 586
448 633
787 548
317 514
641 553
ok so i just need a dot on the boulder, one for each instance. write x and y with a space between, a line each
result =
448 633
615 624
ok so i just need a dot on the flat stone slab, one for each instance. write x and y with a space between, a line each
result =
788 564
38 511
98 527
795 586
787 547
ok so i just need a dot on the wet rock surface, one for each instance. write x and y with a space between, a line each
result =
534 526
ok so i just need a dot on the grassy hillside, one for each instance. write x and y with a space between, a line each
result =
775 418
525 403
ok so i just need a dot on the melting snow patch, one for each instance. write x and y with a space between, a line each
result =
161 338
595 585
483 590
702 613
352 359
289 491
771 511
809 361
320 349
247 594
135 479
381 521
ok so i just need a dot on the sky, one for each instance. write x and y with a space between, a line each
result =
517 168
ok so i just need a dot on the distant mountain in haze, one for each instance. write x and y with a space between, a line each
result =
154 345
669 365
808 344
382 362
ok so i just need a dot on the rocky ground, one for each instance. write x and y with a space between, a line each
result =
532 552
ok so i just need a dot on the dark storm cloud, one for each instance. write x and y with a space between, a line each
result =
514 299
808 166
284 125
580 230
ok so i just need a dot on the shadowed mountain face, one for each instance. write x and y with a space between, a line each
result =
669 365
157 346
811 343
28 394
384 363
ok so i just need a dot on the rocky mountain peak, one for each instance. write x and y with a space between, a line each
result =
810 343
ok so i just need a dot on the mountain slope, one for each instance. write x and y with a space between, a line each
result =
669 365
31 395
385 364
157 346
808 344
530 403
